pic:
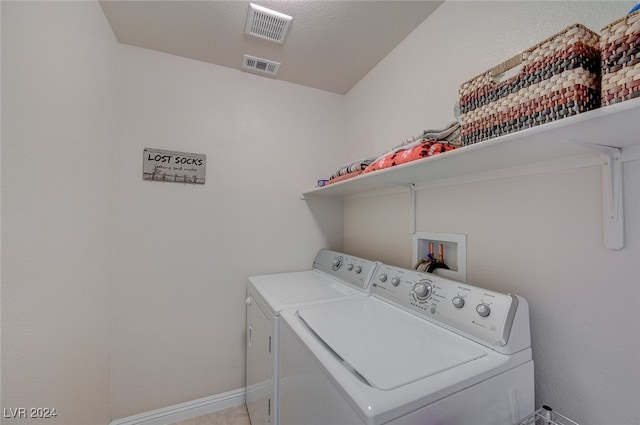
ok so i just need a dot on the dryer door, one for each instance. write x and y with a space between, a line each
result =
260 363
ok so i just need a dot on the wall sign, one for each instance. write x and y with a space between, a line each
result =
169 166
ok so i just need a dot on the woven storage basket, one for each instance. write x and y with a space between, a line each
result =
620 45
559 77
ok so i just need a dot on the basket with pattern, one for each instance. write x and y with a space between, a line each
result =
559 77
620 46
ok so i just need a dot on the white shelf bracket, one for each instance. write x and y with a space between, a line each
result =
412 208
612 199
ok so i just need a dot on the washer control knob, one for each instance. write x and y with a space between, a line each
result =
422 290
350 267
483 310
458 302
395 281
248 301
358 269
383 277
336 264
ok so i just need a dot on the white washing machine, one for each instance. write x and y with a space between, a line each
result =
334 277
421 350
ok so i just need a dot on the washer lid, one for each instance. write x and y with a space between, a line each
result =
387 347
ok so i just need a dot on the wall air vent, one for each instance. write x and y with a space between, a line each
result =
260 65
267 24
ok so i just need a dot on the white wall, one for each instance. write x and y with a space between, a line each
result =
78 109
183 252
0 210
536 235
58 126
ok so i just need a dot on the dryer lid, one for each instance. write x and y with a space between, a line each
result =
295 289
387 347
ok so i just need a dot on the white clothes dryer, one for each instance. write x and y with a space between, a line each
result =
422 350
334 276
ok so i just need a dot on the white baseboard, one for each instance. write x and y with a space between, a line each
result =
189 409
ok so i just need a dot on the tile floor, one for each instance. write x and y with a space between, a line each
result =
232 416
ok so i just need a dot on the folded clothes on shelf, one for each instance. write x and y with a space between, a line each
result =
353 166
449 134
343 177
419 150
352 169
427 143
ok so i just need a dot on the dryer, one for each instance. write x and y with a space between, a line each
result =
421 350
334 276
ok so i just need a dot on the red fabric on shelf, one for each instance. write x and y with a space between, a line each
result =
425 149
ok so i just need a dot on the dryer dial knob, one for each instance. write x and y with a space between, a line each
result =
422 290
358 269
395 281
248 301
483 310
383 277
458 302
350 267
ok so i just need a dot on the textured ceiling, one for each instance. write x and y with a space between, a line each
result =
331 44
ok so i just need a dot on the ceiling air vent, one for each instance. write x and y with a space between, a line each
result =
267 24
260 65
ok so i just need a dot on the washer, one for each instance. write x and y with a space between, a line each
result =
334 277
421 350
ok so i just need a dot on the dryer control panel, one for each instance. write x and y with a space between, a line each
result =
488 317
349 269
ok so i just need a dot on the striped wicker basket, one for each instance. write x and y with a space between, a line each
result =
620 46
559 77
